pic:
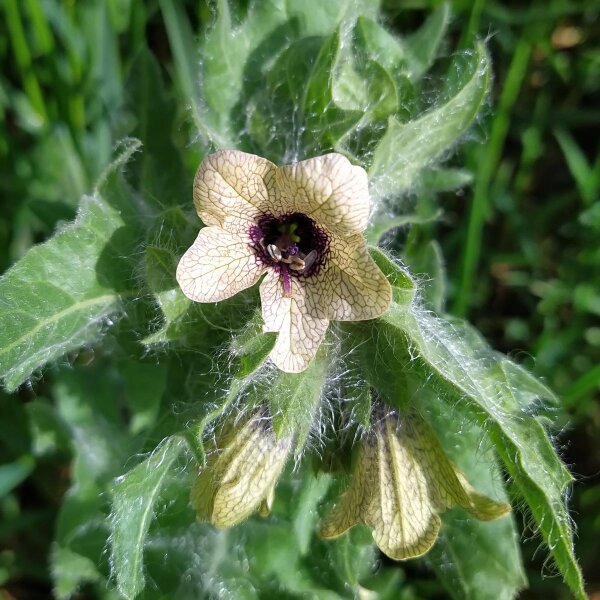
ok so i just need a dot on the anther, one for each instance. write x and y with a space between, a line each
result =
274 252
309 259
296 263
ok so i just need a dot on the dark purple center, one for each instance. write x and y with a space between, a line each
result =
292 244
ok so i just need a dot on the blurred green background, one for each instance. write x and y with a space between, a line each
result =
521 244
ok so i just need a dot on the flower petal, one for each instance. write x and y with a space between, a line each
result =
250 479
217 266
400 512
231 188
241 478
448 485
479 505
351 287
347 511
402 480
330 190
300 334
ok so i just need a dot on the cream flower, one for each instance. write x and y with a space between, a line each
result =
402 480
240 476
302 225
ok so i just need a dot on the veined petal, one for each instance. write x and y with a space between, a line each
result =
400 512
300 334
218 265
250 480
241 478
479 505
402 480
232 188
351 287
451 486
347 511
329 189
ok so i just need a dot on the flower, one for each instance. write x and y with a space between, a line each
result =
401 481
240 478
302 225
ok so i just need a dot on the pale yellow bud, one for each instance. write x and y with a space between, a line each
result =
402 481
240 476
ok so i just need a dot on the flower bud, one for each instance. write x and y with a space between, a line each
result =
402 481
240 477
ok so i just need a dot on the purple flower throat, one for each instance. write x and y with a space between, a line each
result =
293 244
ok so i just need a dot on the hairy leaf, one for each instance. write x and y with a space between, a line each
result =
406 148
133 499
294 398
63 293
88 409
70 570
236 58
474 560
157 171
496 397
423 45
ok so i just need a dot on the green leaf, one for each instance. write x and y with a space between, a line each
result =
145 384
133 498
305 515
427 259
12 474
70 570
294 399
353 556
168 238
325 121
242 61
161 264
586 177
381 223
445 180
62 294
251 347
227 52
423 46
90 411
474 560
358 81
49 433
294 111
249 350
407 148
403 287
104 50
158 171
542 480
488 388
381 46
60 177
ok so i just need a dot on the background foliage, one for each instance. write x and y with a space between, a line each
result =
516 232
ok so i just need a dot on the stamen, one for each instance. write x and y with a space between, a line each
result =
309 259
293 244
296 263
274 252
